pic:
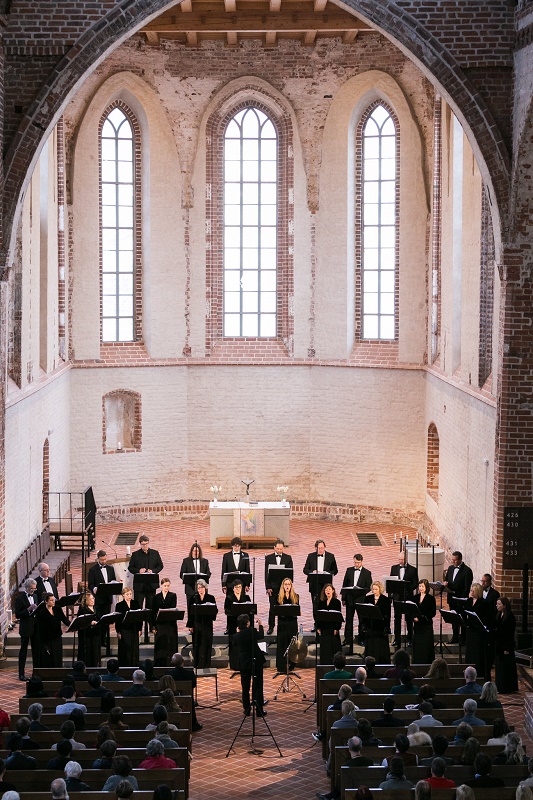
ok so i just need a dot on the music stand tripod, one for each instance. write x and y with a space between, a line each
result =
288 612
253 704
440 588
451 617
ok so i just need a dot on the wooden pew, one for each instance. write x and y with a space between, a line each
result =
58 673
181 719
40 779
52 685
126 739
87 757
507 793
455 669
387 735
177 794
93 703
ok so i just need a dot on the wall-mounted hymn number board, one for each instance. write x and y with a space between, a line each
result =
517 538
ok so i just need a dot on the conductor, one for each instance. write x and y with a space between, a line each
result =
251 663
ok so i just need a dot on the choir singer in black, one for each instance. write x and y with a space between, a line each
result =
194 564
201 626
166 633
272 582
145 560
360 577
405 572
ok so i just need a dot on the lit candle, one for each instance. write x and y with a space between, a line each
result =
395 542
119 445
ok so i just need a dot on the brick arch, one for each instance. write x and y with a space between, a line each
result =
412 33
121 421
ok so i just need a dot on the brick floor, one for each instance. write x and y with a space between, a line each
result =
254 768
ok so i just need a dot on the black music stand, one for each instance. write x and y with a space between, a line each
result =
68 600
278 572
141 582
323 615
192 578
288 612
350 595
372 614
400 590
316 581
451 617
229 578
439 587
138 615
473 622
79 624
108 591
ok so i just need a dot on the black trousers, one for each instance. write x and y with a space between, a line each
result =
257 694
23 653
398 626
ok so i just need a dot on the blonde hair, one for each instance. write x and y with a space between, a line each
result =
293 597
464 792
379 585
438 670
126 589
476 590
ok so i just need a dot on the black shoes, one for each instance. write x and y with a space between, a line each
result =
270 631
22 678
197 727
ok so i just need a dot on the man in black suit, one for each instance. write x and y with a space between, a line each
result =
45 583
100 573
491 596
142 562
235 561
319 561
489 592
459 579
181 673
194 563
272 582
251 663
25 606
362 578
405 572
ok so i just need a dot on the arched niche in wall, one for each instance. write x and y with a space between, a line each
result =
121 421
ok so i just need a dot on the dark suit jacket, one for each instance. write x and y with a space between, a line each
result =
365 578
411 575
170 601
95 577
183 674
246 640
150 560
40 590
271 581
187 565
330 565
228 564
27 621
485 782
492 596
461 586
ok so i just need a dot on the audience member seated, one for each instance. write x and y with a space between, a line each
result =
35 687
112 671
360 679
5 786
64 750
78 718
79 671
155 757
16 759
58 789
344 693
347 720
370 666
162 792
401 661
471 686
339 662
406 684
388 720
422 791
483 778
427 693
115 720
147 666
463 732
513 752
73 779
162 732
181 673
11 796
366 734
35 712
69 695
438 670
489 696
529 780
357 759
160 714
396 777
95 683
67 682
107 702
138 689
437 780
470 750
67 731
402 745
416 736
23 727
439 746
121 771
500 729
123 790
167 682
470 708
522 792
104 734
427 720
168 699
105 760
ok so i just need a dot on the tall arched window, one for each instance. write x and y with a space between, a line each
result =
379 225
118 227
250 225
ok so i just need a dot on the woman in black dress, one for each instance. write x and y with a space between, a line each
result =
89 638
423 640
49 633
287 626
477 639
329 632
166 633
128 633
234 595
506 677
377 638
201 627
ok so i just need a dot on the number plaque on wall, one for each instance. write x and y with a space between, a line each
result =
517 538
